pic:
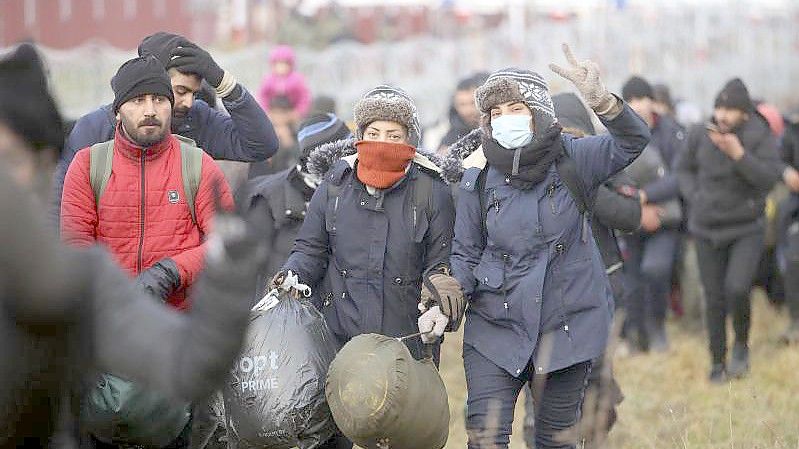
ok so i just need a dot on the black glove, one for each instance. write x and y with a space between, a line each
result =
160 280
189 58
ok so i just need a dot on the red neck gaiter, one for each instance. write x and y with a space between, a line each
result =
382 164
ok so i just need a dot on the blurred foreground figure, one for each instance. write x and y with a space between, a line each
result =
66 313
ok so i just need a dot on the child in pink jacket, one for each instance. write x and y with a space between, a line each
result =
283 80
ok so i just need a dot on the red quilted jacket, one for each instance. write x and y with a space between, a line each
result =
142 215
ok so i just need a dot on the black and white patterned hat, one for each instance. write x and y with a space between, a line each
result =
390 103
513 84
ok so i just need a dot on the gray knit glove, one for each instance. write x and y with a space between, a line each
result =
585 76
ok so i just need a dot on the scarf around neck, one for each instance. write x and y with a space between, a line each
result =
528 165
382 164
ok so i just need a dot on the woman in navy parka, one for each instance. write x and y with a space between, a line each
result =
540 305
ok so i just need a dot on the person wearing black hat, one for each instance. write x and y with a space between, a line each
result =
244 134
728 167
65 313
281 199
653 250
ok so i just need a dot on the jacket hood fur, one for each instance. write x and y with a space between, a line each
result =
452 163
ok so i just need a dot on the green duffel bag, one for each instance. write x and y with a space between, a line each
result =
120 412
380 397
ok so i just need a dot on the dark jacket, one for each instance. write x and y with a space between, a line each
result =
650 169
727 198
281 201
245 135
538 289
365 255
613 212
668 137
65 313
457 128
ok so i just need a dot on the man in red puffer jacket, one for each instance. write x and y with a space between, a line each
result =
144 214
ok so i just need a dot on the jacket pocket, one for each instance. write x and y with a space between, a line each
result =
579 286
490 276
490 298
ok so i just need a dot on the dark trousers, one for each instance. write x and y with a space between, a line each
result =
492 394
649 269
728 270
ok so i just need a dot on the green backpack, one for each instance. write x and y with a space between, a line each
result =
115 410
191 162
120 412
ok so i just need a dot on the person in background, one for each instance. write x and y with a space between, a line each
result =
463 115
244 134
788 226
728 167
286 128
653 250
281 200
283 80
662 103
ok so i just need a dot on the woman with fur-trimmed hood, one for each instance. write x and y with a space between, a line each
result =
540 305
381 220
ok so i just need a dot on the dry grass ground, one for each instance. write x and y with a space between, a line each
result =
668 401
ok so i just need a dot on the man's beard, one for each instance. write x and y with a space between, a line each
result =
146 137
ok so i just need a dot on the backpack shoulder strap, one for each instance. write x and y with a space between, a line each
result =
567 169
423 193
101 157
191 165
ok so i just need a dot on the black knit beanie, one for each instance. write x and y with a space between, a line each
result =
317 130
637 87
734 95
26 105
141 76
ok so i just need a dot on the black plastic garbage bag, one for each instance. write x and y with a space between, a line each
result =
381 397
275 398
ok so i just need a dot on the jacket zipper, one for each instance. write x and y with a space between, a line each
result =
141 215
505 258
551 192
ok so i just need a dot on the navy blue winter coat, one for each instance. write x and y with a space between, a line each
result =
364 255
538 289
246 135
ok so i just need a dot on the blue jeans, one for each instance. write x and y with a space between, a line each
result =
492 394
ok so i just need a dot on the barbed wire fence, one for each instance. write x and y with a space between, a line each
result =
693 50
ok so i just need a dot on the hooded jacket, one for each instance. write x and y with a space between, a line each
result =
727 198
364 255
538 291
139 217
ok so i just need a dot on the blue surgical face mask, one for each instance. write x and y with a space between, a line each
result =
512 131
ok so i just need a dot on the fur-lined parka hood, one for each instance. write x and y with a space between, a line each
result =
452 163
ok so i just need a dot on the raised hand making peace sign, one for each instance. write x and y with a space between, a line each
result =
585 76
